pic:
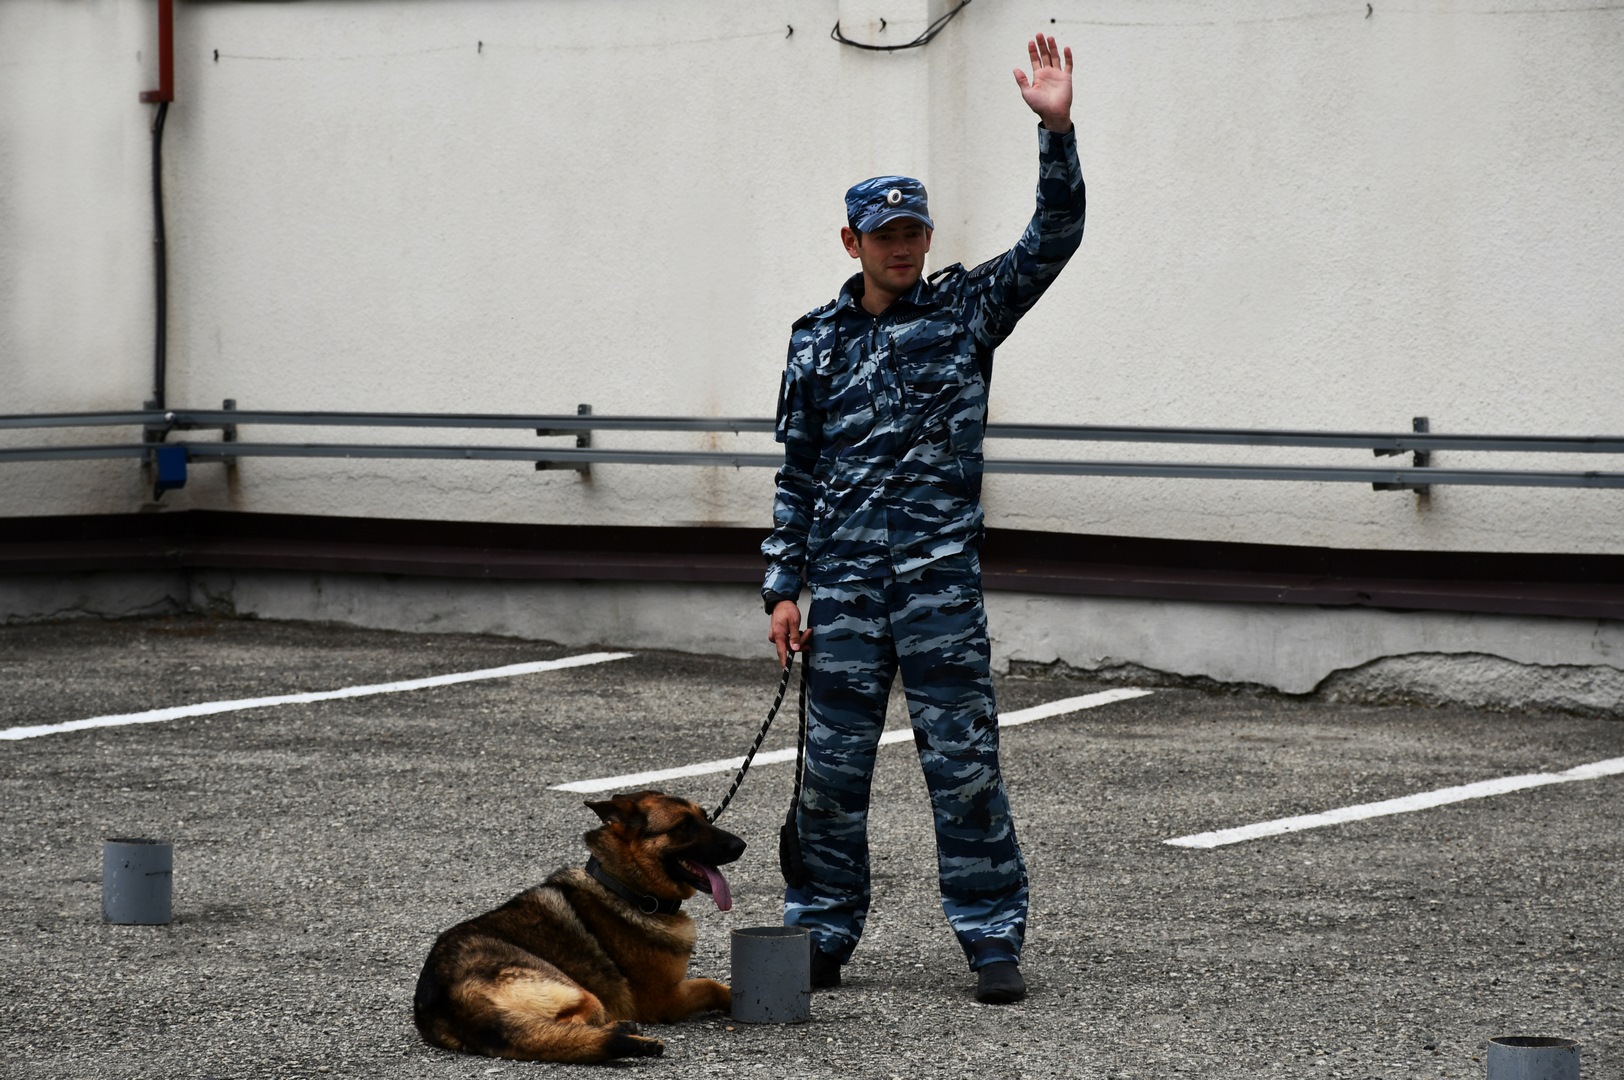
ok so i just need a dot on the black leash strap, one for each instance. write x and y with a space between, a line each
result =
791 863
800 747
783 685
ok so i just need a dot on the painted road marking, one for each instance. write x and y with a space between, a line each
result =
211 707
628 781
1425 800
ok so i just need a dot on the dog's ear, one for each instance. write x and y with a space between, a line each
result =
620 810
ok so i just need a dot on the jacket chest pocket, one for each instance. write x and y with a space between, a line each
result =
933 359
944 386
850 395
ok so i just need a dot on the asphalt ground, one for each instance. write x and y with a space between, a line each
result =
320 847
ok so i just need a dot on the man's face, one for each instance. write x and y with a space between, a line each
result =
893 256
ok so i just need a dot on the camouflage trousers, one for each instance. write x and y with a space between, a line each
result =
931 625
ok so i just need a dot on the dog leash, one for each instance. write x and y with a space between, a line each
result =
772 714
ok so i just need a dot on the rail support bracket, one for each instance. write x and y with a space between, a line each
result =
1420 459
583 441
228 433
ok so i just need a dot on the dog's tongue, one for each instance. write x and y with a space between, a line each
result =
718 887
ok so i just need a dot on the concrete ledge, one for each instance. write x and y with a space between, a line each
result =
114 595
721 620
1509 583
1351 654
1498 630
1342 654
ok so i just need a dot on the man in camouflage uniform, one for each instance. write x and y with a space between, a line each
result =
881 413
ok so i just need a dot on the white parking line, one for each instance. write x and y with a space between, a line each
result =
628 781
178 712
1425 800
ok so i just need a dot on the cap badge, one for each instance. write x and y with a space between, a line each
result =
893 197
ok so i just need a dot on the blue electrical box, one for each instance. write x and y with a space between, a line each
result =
170 469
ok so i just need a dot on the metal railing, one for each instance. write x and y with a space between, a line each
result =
158 425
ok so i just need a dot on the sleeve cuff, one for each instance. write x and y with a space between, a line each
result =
1053 142
770 600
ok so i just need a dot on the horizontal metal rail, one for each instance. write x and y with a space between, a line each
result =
1393 442
157 425
192 419
565 458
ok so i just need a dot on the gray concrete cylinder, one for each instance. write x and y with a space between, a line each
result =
136 877
1516 1058
772 975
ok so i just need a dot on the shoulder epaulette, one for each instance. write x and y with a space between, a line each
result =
938 276
986 268
814 315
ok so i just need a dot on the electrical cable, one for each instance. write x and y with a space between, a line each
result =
922 40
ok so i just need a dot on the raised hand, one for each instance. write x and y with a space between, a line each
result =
1048 92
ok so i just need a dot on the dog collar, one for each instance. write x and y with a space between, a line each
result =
648 905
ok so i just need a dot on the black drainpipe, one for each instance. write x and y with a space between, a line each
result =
160 356
162 97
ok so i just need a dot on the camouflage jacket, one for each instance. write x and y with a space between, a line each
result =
882 417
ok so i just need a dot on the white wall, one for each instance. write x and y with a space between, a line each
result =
1300 216
75 237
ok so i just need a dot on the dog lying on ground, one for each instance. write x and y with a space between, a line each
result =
566 970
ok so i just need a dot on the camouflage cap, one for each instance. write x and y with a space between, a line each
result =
872 203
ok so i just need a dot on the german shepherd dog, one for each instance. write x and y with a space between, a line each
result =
566 970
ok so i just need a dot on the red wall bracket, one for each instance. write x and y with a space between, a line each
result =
166 55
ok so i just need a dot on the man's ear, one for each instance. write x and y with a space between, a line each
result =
928 234
852 240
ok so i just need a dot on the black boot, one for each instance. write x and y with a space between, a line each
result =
1000 984
825 970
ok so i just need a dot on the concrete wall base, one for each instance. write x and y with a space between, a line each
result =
43 597
1343 654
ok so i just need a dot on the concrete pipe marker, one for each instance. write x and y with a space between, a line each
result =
772 975
1513 1057
136 881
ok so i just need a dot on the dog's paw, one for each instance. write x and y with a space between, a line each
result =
624 1041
